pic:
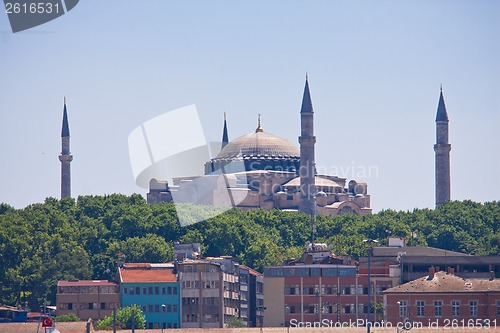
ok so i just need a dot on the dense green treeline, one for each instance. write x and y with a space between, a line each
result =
81 239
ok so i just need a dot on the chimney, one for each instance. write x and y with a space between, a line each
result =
451 271
432 270
492 275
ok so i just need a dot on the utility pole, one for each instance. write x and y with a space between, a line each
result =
133 320
313 229
114 320
370 253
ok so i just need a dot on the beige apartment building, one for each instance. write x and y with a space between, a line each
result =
209 292
87 298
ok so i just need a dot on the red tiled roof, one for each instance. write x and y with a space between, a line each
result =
137 265
147 275
251 270
443 282
71 283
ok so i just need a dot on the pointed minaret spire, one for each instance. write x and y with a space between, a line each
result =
306 99
307 161
225 137
65 156
259 126
442 150
441 115
65 125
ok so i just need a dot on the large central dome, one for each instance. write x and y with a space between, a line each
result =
258 151
259 145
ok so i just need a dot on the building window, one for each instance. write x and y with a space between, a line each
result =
455 308
150 326
150 290
473 308
350 308
420 308
310 308
310 290
157 290
190 301
438 308
174 308
330 271
103 306
144 291
125 291
131 291
70 306
328 290
498 308
190 317
150 308
292 290
174 290
92 306
169 308
157 308
137 290
403 309
144 308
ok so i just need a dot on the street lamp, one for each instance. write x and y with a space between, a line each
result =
399 307
162 317
370 253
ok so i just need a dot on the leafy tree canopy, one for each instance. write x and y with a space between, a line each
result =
81 238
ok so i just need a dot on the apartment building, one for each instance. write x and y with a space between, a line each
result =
209 291
154 287
321 286
444 299
87 298
251 308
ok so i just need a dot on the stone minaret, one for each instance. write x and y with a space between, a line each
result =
442 149
307 164
225 137
65 156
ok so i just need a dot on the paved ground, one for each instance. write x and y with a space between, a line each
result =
80 328
31 327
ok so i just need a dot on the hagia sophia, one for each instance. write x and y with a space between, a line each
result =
264 170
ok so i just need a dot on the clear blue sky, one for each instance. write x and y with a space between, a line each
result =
374 67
